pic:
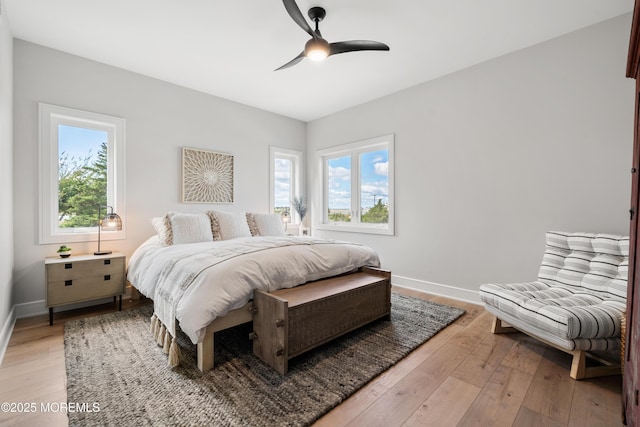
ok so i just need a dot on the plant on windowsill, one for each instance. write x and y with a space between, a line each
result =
300 205
64 251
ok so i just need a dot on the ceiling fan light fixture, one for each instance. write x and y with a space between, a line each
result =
316 49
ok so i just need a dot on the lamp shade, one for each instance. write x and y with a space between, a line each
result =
110 222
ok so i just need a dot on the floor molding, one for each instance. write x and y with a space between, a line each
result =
37 308
452 292
30 309
5 333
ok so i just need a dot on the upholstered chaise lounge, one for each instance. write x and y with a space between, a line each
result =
577 303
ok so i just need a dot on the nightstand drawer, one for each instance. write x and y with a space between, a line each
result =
79 269
68 291
84 277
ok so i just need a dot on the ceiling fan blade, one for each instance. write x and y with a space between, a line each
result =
293 62
296 15
356 45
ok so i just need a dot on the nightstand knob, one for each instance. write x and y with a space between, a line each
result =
68 282
107 261
107 277
68 266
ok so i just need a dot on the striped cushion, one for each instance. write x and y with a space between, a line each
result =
557 310
580 292
587 262
597 344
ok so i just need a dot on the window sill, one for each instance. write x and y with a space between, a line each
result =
386 229
82 237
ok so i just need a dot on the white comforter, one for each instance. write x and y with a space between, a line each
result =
195 283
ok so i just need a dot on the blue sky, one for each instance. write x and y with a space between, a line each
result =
80 142
282 182
374 180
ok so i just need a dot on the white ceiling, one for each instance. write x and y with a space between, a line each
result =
230 48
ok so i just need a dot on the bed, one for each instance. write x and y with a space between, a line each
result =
206 286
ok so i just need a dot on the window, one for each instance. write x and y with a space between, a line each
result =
357 186
285 181
81 172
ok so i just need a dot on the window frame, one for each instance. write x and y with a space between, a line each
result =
297 178
50 116
355 149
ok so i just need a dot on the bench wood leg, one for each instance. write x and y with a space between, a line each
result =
205 353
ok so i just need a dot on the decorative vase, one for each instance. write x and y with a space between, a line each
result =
65 254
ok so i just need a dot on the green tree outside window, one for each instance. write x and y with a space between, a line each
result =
82 188
378 214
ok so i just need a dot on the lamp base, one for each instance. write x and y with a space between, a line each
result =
103 252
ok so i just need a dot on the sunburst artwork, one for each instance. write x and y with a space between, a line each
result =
207 176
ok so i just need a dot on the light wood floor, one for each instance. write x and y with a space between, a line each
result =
463 376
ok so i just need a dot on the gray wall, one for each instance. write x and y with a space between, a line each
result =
491 157
161 118
6 179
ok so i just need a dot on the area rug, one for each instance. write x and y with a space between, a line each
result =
117 375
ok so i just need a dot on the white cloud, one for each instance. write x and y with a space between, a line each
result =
381 168
339 173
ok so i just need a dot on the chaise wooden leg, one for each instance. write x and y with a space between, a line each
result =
580 371
578 365
205 353
498 328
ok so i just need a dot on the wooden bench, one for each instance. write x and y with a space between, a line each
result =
289 322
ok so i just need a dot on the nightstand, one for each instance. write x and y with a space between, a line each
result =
80 278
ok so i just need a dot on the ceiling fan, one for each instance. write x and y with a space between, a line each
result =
317 48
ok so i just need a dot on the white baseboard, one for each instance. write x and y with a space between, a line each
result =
36 308
30 309
436 289
5 332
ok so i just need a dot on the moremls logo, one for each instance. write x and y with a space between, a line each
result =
68 407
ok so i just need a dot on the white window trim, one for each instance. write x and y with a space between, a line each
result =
297 181
354 149
50 117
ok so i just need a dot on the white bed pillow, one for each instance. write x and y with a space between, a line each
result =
159 225
252 225
269 224
190 228
230 224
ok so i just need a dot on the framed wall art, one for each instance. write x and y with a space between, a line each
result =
207 176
